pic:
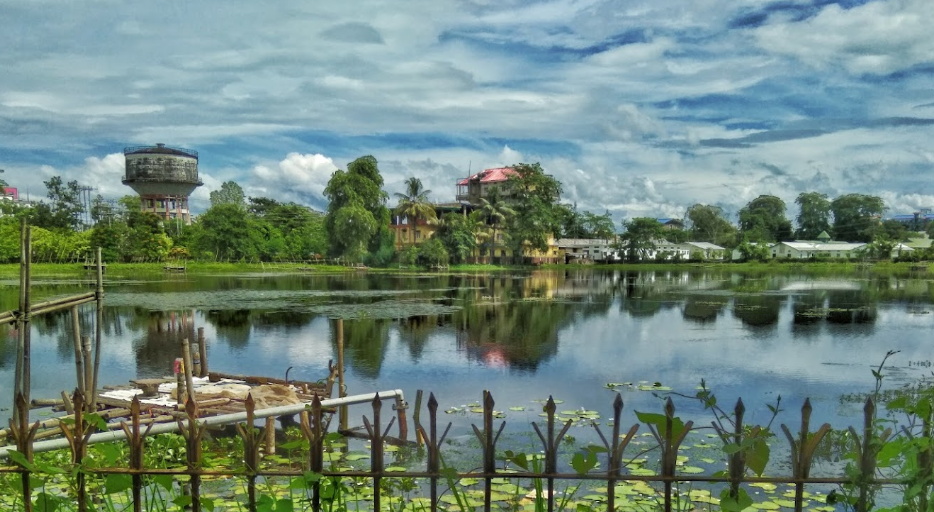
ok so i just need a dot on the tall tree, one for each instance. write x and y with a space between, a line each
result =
534 197
496 212
709 224
357 214
856 217
763 219
414 203
814 215
64 209
639 237
599 226
229 193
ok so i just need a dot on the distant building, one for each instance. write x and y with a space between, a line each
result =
10 194
471 189
586 250
671 223
163 177
916 221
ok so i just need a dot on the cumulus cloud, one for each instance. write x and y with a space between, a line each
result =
298 177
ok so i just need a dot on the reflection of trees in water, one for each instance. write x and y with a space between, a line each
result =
642 294
757 309
809 308
703 308
160 342
290 320
517 334
415 331
365 343
9 337
231 325
850 307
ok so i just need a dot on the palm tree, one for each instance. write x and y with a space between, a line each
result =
495 210
414 203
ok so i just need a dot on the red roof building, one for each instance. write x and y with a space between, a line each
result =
473 188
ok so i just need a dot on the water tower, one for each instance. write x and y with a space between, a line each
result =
163 177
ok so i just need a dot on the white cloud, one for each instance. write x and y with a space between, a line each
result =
298 177
877 38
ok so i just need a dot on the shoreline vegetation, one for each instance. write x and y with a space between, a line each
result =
11 270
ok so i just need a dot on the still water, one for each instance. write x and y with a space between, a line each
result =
523 336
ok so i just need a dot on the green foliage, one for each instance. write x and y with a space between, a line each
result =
227 233
639 237
63 212
229 193
458 233
533 195
814 216
709 224
414 203
763 219
751 251
856 217
495 211
356 212
434 252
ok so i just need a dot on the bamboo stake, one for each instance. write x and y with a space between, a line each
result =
79 359
21 321
186 360
341 388
88 385
270 435
98 338
202 352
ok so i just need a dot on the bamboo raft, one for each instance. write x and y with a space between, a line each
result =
159 399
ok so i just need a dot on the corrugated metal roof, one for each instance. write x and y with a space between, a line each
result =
490 175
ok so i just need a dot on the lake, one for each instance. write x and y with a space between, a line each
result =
521 335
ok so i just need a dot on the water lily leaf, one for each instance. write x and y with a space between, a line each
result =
395 469
517 408
691 470
357 456
766 505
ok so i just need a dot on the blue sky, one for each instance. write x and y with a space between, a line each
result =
642 108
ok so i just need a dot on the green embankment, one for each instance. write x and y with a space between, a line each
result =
11 270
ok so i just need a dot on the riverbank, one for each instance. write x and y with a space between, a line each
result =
11 270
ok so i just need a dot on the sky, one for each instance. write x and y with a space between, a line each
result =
638 107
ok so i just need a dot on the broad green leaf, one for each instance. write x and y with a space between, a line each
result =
734 504
117 483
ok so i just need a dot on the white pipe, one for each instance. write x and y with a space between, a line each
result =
221 419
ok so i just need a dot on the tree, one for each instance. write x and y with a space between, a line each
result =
534 196
3 183
639 236
752 251
357 218
414 203
856 217
599 226
894 230
64 210
708 224
229 193
495 212
227 233
458 233
433 252
763 219
814 215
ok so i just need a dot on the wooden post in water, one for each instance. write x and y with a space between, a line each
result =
79 358
202 353
86 352
186 361
181 395
23 364
97 330
341 389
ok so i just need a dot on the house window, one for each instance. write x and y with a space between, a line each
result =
418 235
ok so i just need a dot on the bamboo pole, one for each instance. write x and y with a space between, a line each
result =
99 321
20 321
186 361
88 384
79 359
341 389
202 352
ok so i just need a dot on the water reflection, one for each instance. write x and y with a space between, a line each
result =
564 325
